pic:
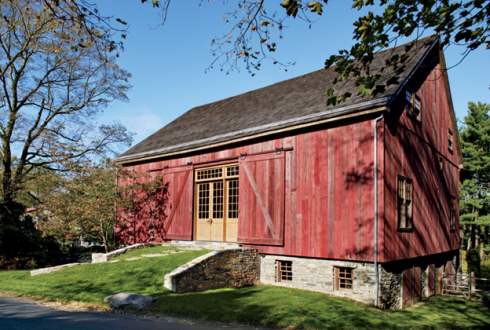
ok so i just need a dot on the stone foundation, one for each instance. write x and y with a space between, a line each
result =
233 268
318 275
390 289
395 294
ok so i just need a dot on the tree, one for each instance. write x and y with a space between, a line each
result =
475 188
257 26
80 205
255 29
57 72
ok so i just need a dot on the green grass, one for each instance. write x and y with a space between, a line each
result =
147 250
259 305
290 308
90 283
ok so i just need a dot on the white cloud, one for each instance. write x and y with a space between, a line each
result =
143 121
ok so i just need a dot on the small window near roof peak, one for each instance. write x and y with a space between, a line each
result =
413 105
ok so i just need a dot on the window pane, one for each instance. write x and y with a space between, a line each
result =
404 203
203 201
232 170
343 277
284 270
233 199
210 173
218 199
408 97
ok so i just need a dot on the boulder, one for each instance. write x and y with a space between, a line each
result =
124 299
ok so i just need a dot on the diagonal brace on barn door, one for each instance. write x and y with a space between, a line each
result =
260 201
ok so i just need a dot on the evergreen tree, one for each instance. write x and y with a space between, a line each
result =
475 176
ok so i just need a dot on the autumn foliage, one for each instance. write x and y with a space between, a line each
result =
142 209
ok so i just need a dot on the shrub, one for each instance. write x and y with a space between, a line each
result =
21 244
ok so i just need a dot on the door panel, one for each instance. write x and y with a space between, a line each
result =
232 193
203 225
217 228
262 193
412 289
216 210
178 224
432 280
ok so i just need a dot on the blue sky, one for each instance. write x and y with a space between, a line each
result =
168 62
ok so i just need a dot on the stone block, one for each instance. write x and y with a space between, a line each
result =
123 299
217 269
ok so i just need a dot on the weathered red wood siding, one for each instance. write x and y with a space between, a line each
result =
262 189
327 210
328 195
413 149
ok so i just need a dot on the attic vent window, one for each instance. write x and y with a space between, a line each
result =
343 278
450 143
284 270
413 105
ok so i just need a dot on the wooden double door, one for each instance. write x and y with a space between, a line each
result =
216 203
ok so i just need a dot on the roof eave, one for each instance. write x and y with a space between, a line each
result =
354 110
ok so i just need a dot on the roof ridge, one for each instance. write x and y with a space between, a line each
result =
308 73
290 100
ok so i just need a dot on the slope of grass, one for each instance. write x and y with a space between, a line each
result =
90 283
290 308
161 249
259 305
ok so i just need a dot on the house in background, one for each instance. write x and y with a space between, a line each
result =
357 200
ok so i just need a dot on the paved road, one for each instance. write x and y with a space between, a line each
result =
19 313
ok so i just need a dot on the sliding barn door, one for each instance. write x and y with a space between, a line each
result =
261 216
178 224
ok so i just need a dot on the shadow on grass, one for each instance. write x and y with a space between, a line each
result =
280 307
93 282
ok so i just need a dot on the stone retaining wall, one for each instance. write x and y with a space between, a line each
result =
233 268
48 270
104 257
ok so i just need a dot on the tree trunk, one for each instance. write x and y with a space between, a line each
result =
472 236
7 182
103 236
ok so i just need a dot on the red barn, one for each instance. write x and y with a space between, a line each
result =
358 199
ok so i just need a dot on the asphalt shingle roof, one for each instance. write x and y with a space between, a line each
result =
286 103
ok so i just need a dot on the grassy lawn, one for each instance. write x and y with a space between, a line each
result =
90 283
148 250
260 305
290 308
